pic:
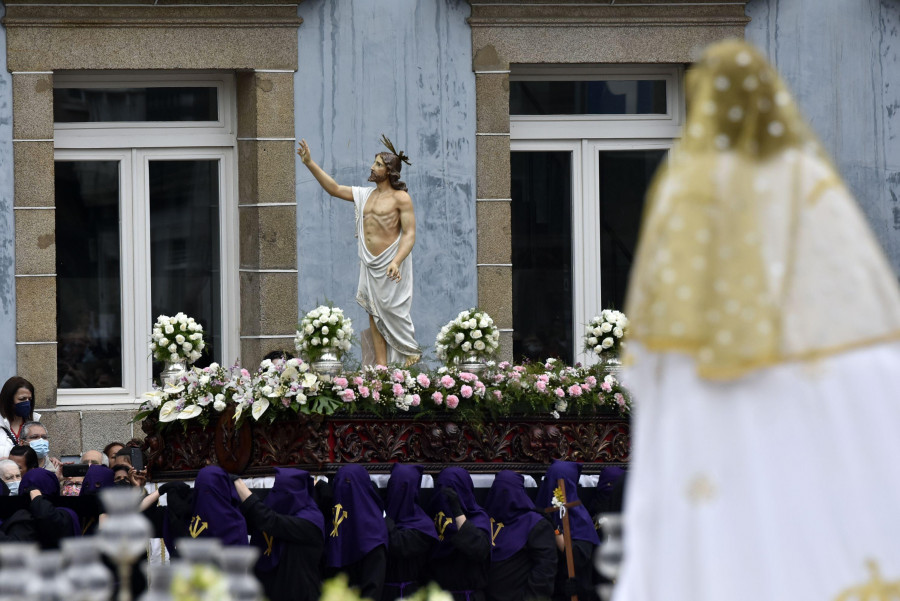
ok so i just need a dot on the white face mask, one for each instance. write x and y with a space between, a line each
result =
13 487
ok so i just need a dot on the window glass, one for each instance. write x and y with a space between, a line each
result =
612 97
184 246
94 105
88 282
542 254
623 181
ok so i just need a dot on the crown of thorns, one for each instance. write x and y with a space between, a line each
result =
389 146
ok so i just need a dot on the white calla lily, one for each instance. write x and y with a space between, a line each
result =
190 412
168 412
258 408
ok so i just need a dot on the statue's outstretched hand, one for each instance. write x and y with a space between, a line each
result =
393 272
303 151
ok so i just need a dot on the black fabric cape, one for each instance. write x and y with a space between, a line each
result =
366 574
530 573
298 574
409 552
466 567
583 555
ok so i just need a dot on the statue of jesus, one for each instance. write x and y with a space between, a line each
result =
386 233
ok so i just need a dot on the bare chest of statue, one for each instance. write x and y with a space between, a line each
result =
381 221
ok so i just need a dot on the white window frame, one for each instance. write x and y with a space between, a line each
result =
134 148
109 134
542 127
585 136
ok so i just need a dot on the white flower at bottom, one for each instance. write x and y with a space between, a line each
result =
219 405
190 412
258 408
168 412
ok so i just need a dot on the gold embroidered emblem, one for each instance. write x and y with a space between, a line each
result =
339 516
494 533
876 589
269 540
441 522
197 526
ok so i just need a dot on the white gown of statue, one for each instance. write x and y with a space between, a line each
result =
388 302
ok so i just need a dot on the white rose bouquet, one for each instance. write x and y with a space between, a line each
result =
324 330
176 338
472 333
605 334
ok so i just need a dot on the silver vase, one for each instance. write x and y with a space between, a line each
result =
328 365
173 371
472 364
612 365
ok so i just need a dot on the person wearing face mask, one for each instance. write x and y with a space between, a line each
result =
16 408
10 475
34 434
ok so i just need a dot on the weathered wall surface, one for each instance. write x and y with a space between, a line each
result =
841 58
7 226
402 68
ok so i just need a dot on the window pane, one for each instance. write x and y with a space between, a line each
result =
542 255
184 246
624 179
92 105
614 97
88 284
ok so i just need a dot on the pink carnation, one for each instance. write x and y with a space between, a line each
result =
348 396
397 389
416 400
447 382
423 380
364 392
544 378
574 390
376 396
559 392
398 376
452 401
541 386
606 387
591 381
357 381
342 382
498 395
286 402
467 377
503 365
519 369
465 390
620 399
438 398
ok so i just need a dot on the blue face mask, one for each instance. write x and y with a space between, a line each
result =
41 447
13 487
23 409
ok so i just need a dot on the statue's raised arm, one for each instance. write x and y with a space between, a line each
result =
326 181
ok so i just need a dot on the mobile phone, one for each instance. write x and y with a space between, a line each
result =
75 470
137 458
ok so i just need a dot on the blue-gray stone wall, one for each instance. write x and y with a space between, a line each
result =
841 59
402 68
7 225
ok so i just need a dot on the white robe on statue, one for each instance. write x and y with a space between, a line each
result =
388 302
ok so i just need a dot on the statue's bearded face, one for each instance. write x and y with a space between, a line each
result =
379 170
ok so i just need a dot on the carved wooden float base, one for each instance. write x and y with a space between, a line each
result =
322 444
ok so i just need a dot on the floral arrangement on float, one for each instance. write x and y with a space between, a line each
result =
176 341
324 336
605 334
280 389
468 340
